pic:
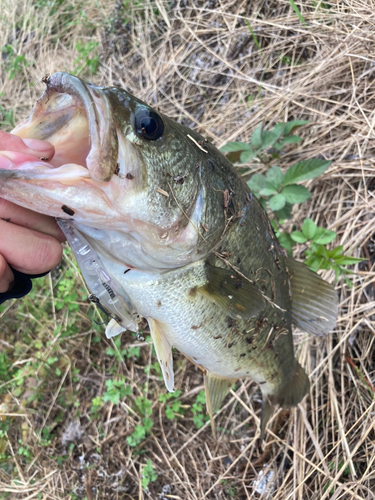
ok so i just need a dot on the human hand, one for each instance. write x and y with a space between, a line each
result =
29 242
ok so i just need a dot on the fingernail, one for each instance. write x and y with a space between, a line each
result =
37 145
5 162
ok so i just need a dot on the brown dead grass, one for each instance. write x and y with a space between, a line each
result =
198 62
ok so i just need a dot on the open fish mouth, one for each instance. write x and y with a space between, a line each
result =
76 118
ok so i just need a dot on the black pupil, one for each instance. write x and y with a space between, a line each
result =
148 124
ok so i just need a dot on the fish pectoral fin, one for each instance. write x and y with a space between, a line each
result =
163 350
216 389
239 298
113 329
290 394
314 301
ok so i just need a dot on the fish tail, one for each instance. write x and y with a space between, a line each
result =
288 395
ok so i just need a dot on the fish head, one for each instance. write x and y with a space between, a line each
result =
120 166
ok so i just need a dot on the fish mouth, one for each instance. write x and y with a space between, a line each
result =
76 118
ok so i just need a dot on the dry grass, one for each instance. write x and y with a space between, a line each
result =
199 63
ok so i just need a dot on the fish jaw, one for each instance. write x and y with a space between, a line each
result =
76 118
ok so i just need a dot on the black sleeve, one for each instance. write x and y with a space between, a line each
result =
21 286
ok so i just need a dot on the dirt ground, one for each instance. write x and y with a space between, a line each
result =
85 418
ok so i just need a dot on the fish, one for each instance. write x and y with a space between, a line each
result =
164 228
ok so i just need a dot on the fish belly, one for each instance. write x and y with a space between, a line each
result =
194 325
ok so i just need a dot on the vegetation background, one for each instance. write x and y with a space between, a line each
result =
85 418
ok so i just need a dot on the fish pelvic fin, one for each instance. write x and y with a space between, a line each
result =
163 350
216 389
290 394
239 298
314 301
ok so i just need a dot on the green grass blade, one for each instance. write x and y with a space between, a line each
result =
296 10
253 35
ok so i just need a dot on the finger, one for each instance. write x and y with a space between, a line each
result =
9 212
6 275
12 159
28 251
33 147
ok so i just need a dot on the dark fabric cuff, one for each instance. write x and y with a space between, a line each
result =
21 286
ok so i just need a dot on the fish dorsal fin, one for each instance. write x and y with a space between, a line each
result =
314 301
289 395
163 350
216 389
239 298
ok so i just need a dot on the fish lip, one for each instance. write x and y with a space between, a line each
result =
102 158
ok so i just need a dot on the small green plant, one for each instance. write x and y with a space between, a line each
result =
88 58
116 390
96 404
67 294
132 352
14 63
144 408
198 410
317 256
116 350
148 474
278 192
25 451
262 140
174 408
6 118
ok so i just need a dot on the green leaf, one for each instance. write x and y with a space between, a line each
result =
320 250
344 260
286 242
298 237
268 189
277 202
256 182
313 262
304 170
279 129
263 202
325 264
285 212
275 176
323 236
293 124
246 156
256 138
268 139
296 194
309 228
335 252
235 146
291 139
278 146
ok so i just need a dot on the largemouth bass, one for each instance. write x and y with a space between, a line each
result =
164 228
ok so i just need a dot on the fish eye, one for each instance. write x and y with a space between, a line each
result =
148 124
